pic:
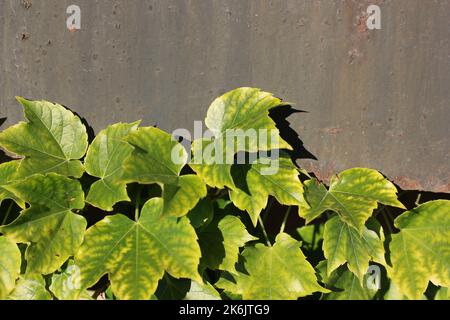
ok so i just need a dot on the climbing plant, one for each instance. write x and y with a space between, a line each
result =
132 214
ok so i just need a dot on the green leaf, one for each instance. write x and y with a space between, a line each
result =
280 272
343 243
220 242
152 158
180 198
9 266
420 251
311 235
52 140
353 194
240 117
170 288
214 170
345 285
395 293
8 172
442 294
202 214
54 232
260 181
157 158
203 291
30 287
104 160
135 254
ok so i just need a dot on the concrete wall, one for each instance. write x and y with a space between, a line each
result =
376 98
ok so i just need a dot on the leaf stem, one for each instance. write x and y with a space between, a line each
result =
267 210
7 213
136 204
286 215
264 231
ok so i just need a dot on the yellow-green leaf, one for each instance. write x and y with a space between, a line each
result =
53 140
353 194
344 285
264 177
30 287
343 243
9 266
8 172
157 158
220 242
280 272
239 121
420 252
54 232
104 160
135 254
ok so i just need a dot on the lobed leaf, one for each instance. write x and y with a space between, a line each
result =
343 243
135 254
104 160
280 272
53 140
420 252
353 194
54 232
10 260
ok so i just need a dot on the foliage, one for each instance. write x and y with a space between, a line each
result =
118 216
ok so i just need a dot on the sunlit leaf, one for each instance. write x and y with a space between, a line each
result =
9 266
54 232
135 254
53 140
280 272
265 177
104 160
353 194
420 252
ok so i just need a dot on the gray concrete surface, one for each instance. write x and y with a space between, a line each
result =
375 98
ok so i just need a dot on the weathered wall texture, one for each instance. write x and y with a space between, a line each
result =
376 98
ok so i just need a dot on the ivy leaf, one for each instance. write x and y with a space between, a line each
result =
343 243
280 272
420 251
353 194
157 158
10 260
345 285
8 175
220 242
51 227
135 254
234 117
30 287
203 291
104 160
52 140
264 177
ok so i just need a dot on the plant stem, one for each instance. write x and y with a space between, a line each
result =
267 210
136 204
286 215
7 213
264 231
